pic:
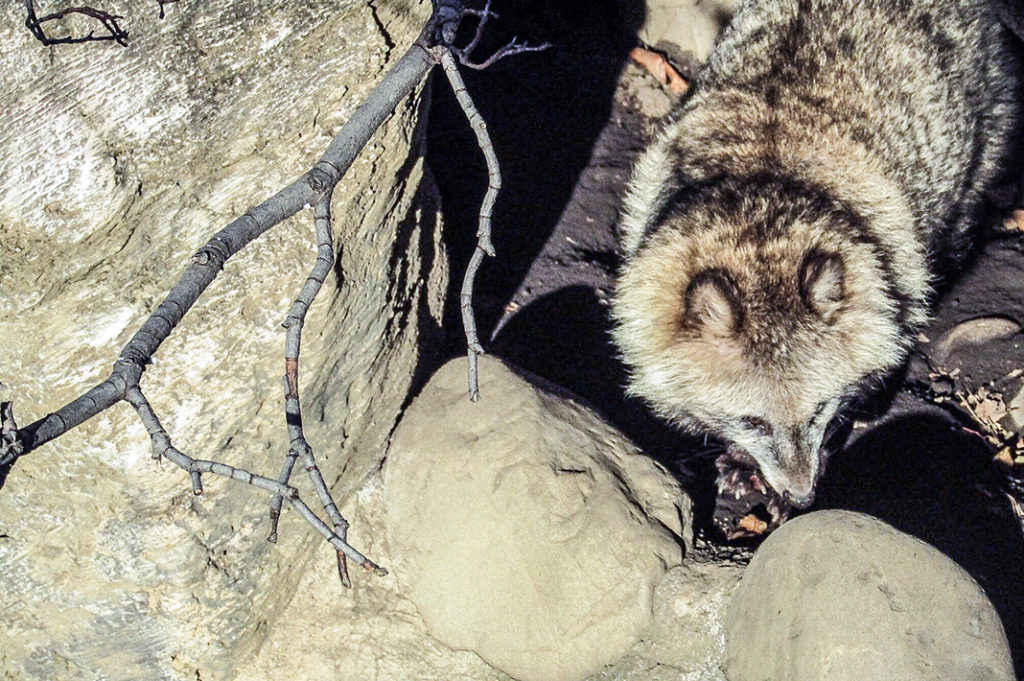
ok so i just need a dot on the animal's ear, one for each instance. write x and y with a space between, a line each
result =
821 283
713 304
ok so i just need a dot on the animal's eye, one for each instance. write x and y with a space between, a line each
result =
758 424
819 410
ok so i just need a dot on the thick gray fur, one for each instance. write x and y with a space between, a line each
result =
784 234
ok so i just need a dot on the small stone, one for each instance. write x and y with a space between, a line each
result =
972 332
942 384
1014 419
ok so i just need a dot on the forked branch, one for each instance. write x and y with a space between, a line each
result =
313 189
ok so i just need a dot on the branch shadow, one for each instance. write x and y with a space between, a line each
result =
564 338
544 112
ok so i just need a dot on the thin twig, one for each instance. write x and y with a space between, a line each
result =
482 15
314 188
399 82
508 50
162 448
464 53
298 445
449 19
294 322
483 232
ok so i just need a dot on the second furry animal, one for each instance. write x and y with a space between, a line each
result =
784 232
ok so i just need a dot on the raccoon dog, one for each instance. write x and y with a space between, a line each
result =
783 234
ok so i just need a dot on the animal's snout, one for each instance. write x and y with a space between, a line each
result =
799 500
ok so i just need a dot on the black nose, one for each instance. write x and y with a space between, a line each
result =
799 502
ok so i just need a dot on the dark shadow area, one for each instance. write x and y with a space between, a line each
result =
543 111
431 334
564 337
924 475
563 141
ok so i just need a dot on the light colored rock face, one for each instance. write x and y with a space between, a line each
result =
840 596
115 166
370 632
686 638
524 528
1015 413
686 29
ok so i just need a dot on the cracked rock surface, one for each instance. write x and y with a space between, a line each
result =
116 164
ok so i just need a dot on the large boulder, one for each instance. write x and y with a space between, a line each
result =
116 164
524 527
841 596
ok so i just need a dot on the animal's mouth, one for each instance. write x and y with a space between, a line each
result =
747 506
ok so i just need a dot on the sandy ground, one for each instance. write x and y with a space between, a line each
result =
567 124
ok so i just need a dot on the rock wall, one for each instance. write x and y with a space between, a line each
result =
116 164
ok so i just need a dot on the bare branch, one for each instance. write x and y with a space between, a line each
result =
513 47
298 446
450 15
483 16
209 260
483 232
508 50
162 447
108 21
313 188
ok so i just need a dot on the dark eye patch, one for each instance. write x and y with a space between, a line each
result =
758 424
818 411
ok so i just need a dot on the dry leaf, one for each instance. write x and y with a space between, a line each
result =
751 523
661 69
990 410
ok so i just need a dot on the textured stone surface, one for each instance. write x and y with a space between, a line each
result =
685 29
116 164
524 527
1015 412
686 638
841 596
370 632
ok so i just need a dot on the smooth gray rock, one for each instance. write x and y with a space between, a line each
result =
841 596
524 527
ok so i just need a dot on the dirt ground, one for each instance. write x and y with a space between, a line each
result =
566 125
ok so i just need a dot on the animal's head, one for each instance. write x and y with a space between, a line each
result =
756 322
